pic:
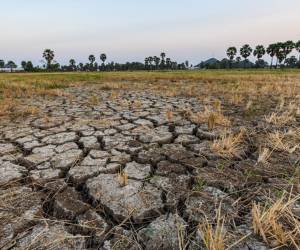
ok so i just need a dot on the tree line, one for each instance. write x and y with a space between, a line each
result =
151 63
279 51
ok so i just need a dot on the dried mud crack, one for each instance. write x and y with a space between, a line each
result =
134 171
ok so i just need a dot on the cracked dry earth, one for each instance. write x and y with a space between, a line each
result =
61 171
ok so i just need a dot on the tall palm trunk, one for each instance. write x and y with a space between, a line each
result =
271 66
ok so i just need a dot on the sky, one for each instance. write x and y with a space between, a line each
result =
130 30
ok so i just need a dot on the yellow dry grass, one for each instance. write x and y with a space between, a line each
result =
229 146
213 236
277 223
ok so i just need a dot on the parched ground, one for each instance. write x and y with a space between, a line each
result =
184 165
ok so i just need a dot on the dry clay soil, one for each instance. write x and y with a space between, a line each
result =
121 173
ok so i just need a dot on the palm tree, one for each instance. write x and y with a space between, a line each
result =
146 62
23 64
245 52
297 47
92 59
271 50
259 51
49 56
156 61
288 47
103 58
150 59
231 53
168 63
162 63
279 53
81 66
72 64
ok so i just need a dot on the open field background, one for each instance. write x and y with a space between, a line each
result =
212 159
246 83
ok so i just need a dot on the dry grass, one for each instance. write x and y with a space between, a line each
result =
170 115
213 236
212 118
264 155
230 146
284 141
280 119
277 223
123 178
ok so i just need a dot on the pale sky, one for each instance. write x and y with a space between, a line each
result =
130 30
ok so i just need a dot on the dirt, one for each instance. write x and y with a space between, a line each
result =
133 171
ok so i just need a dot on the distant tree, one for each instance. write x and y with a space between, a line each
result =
29 66
103 58
297 47
279 53
146 63
11 65
271 50
291 62
156 60
287 48
168 63
72 63
186 63
48 54
162 62
2 63
24 64
81 66
245 52
150 60
92 59
259 51
231 53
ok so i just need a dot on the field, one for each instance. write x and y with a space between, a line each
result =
150 160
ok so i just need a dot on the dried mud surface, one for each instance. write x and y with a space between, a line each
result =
129 171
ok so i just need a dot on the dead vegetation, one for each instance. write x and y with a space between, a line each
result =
254 148
277 222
